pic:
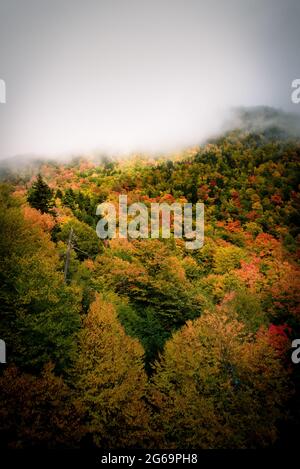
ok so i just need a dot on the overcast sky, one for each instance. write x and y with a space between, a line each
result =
132 75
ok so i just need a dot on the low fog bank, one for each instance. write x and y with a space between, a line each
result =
272 123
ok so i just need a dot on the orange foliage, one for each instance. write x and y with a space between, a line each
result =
36 218
266 244
249 273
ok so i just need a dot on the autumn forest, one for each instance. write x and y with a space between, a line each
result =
141 343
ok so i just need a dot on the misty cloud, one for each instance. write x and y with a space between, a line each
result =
119 76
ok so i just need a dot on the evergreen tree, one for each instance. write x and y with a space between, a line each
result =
40 196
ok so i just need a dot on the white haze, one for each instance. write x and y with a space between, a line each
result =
120 76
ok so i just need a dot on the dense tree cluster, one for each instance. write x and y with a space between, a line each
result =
146 343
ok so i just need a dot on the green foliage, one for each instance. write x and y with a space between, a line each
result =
39 314
144 325
82 205
85 240
227 258
220 381
40 196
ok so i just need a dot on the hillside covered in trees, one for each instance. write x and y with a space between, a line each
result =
143 343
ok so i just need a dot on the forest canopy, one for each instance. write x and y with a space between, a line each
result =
145 343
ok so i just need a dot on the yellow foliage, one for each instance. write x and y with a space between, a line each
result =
217 386
111 379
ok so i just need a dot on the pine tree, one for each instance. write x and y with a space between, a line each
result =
40 196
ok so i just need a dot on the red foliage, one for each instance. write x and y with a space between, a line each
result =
167 198
249 272
203 192
233 226
252 215
283 330
276 199
266 244
279 337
